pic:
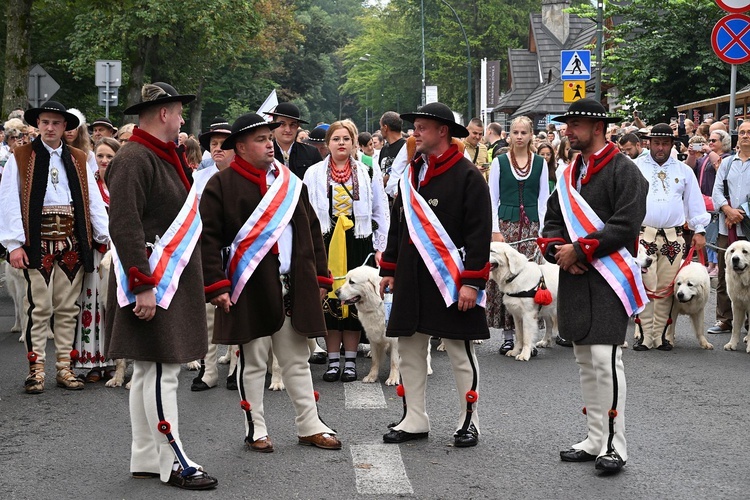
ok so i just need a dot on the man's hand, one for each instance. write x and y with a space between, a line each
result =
323 293
378 256
567 259
145 305
386 282
732 215
19 259
467 298
699 241
222 302
498 237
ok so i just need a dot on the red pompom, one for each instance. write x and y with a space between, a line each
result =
74 355
164 427
237 353
31 356
669 321
472 396
400 390
245 405
584 411
637 320
543 297
317 396
612 413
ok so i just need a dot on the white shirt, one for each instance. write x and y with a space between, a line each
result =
737 174
494 183
12 234
673 195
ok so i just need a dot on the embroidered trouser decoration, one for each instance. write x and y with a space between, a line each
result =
471 395
244 403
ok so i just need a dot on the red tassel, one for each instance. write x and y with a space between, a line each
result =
637 320
317 396
472 396
584 410
74 355
245 405
669 321
400 390
543 297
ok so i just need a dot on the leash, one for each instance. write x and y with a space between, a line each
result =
371 254
668 290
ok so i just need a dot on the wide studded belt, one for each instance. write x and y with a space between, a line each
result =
58 222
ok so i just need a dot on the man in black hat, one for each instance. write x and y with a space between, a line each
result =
590 231
295 155
268 290
218 123
153 212
427 302
317 139
674 198
52 214
102 127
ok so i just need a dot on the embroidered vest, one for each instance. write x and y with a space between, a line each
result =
510 195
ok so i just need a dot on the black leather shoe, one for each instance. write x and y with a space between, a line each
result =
665 346
638 345
349 375
332 374
563 342
199 385
573 455
201 481
611 463
507 346
318 358
466 438
402 436
232 382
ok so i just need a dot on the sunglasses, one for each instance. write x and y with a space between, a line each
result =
713 140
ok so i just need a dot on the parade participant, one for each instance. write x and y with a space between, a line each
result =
519 188
102 127
442 297
475 149
674 198
600 284
496 139
204 139
52 214
276 276
390 127
90 338
349 203
295 155
211 141
317 139
155 228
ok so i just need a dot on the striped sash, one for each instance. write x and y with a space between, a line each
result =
264 227
436 248
171 253
619 268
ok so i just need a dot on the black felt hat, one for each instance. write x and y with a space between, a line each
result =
441 113
661 130
317 135
218 126
244 124
104 122
287 110
32 115
167 94
586 108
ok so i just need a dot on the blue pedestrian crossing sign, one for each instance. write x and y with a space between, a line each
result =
576 64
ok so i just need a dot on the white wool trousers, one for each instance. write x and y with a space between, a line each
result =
153 400
210 370
413 368
292 354
604 392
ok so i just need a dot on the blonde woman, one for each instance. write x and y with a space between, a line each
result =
341 186
519 189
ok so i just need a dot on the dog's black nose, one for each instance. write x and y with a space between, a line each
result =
735 260
680 295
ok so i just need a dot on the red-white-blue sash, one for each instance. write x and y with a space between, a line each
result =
619 268
262 229
436 248
171 253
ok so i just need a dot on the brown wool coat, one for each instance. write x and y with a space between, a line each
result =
460 199
226 203
146 194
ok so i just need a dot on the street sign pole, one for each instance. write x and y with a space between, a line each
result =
732 91
106 107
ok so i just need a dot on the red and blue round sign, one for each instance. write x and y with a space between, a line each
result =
730 38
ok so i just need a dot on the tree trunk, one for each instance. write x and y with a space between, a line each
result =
17 55
138 59
196 111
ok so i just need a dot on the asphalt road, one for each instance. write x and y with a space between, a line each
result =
687 430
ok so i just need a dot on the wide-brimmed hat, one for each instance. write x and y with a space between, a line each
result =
167 94
287 110
441 113
245 124
105 122
218 126
317 135
586 108
32 115
661 130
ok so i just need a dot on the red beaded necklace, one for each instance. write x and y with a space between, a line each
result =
341 175
522 172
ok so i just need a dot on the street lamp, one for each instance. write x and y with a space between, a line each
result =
468 59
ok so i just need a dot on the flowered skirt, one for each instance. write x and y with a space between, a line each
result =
497 315
89 339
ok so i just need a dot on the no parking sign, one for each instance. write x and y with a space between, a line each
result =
730 39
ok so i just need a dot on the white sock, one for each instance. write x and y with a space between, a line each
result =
333 360
350 359
508 334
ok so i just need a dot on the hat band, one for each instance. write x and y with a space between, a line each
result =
586 114
219 124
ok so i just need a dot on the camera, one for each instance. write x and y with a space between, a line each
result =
697 146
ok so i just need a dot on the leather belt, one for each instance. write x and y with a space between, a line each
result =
58 222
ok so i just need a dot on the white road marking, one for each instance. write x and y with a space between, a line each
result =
379 470
361 396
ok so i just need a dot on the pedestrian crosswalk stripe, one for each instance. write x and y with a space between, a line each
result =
379 470
361 396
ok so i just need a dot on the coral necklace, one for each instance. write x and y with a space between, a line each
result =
341 175
522 172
